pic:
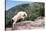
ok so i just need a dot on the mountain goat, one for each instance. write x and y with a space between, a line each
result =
20 15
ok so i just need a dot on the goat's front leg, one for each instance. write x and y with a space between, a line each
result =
23 18
14 25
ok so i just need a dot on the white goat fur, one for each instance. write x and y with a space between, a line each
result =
19 16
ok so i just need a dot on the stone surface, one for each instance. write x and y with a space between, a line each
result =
28 25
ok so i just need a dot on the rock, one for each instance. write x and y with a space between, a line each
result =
23 25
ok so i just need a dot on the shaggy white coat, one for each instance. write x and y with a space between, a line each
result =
20 15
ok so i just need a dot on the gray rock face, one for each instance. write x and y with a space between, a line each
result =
28 25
